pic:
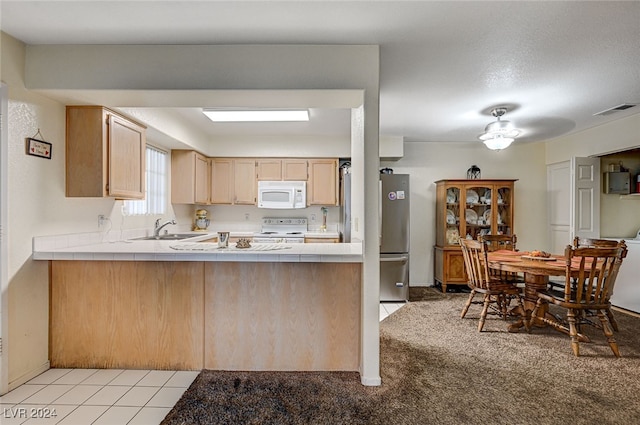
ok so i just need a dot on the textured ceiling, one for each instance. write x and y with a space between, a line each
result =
444 65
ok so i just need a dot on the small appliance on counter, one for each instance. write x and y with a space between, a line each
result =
202 222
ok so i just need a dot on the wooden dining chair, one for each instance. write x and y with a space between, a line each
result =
497 293
594 243
558 285
598 243
498 242
597 272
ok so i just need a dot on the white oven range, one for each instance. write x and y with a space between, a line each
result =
281 230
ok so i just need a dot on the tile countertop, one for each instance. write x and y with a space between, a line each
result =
76 247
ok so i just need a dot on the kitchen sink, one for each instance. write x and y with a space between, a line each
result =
168 237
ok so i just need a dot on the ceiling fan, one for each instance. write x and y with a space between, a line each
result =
499 134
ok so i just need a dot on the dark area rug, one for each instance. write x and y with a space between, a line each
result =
219 397
437 369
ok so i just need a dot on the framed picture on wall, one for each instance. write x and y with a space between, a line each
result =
39 148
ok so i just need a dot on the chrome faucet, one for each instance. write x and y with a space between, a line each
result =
158 227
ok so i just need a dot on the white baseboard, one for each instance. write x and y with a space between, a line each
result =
371 381
29 376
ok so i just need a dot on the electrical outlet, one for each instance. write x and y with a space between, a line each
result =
101 220
313 217
246 216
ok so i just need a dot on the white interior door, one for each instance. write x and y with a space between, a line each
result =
585 196
559 204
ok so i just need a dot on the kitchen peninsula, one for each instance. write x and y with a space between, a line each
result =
187 305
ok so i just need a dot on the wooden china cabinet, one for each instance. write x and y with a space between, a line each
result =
468 209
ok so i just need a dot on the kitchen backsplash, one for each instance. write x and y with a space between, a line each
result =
249 217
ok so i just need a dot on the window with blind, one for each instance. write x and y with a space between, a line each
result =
155 201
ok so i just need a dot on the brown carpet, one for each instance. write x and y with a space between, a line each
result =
437 369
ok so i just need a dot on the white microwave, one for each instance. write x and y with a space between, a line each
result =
282 194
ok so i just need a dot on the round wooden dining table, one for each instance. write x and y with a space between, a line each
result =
536 273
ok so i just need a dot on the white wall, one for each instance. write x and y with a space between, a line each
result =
612 137
29 215
429 162
618 217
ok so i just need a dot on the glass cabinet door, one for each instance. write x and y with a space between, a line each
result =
477 211
504 207
452 217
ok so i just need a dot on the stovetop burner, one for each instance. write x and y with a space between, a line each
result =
283 227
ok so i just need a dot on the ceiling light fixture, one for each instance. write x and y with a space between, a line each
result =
499 134
256 115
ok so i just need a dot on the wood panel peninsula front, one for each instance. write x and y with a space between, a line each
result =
144 304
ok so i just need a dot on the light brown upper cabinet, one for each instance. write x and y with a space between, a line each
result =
233 181
322 186
245 186
282 169
105 154
294 169
222 181
269 169
189 177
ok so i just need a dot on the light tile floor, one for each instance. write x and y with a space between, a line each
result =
103 396
387 308
95 396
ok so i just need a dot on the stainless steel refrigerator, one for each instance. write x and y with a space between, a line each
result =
394 237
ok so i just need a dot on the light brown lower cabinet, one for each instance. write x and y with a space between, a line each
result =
321 240
126 314
194 315
449 267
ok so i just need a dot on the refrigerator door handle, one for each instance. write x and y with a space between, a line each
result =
402 259
379 212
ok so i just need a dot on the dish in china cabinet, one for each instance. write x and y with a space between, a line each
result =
451 217
487 216
451 196
453 236
472 196
470 216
